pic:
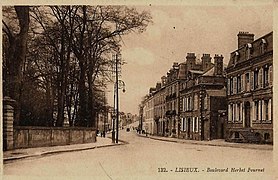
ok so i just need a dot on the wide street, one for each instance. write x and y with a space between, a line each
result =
144 158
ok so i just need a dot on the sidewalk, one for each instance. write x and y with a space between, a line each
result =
40 151
217 142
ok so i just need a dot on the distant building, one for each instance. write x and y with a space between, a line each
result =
249 90
160 107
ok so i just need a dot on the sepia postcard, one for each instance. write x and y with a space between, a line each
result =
138 89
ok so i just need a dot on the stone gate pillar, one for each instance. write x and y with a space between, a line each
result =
8 118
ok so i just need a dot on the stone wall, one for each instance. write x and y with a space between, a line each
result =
29 136
8 117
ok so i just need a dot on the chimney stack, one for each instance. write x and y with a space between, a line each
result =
158 86
163 80
182 71
190 61
206 61
218 65
175 65
244 38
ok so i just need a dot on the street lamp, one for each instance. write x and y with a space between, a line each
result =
118 85
202 97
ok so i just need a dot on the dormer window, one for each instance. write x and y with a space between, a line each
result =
248 51
263 46
236 58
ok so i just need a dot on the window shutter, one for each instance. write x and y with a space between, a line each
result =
183 104
269 110
263 110
229 112
197 124
192 102
251 80
242 82
242 112
228 86
270 75
182 121
260 106
193 124
253 116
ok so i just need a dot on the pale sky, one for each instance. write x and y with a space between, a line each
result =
177 30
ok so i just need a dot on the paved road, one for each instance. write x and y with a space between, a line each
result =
143 158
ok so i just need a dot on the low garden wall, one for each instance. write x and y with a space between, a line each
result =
29 136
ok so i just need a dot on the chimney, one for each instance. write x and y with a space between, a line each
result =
190 61
206 61
182 71
163 80
218 65
175 65
158 86
152 90
244 38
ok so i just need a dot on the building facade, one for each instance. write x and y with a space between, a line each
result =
203 99
159 108
249 90
173 107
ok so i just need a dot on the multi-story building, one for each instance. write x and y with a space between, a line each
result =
172 101
202 99
159 108
174 106
148 117
249 90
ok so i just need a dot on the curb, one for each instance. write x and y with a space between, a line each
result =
122 141
56 152
196 143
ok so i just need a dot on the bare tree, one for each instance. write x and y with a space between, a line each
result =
15 57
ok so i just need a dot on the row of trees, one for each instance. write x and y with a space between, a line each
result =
57 58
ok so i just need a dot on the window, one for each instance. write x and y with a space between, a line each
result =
263 46
238 112
184 124
232 112
265 76
248 51
266 109
247 81
231 85
189 103
236 57
256 110
206 102
238 84
195 124
256 79
266 136
195 101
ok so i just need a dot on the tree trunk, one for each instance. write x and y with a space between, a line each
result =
82 96
16 57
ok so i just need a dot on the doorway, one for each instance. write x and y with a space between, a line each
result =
247 114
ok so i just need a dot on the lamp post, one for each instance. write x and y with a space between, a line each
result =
202 97
118 85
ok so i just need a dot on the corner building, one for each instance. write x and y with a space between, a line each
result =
249 90
203 99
